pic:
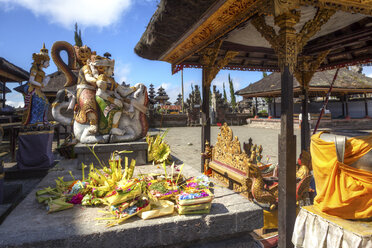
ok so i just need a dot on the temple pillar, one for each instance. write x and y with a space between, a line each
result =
287 60
288 44
306 67
211 66
343 105
287 163
274 107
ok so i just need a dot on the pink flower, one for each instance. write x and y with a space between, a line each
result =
76 199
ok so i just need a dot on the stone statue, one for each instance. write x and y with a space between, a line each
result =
101 102
36 103
110 97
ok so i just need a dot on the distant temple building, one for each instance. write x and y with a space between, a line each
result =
350 96
162 97
9 73
151 94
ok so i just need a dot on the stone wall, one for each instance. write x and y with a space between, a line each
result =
168 120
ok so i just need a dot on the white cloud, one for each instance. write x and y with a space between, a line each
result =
87 13
15 104
122 72
370 75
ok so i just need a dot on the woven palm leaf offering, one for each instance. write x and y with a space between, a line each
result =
110 186
164 186
195 196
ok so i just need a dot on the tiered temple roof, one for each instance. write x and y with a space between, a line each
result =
162 96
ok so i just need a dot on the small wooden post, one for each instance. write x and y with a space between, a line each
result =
4 88
206 122
256 109
269 114
366 105
305 127
287 164
182 104
347 107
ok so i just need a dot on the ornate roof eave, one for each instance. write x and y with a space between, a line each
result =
356 61
212 27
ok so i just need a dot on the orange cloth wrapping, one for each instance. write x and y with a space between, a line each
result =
342 190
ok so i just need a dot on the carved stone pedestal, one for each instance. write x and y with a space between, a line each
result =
104 151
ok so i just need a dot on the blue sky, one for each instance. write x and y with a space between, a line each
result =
113 26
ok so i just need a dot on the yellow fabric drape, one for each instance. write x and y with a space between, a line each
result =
342 190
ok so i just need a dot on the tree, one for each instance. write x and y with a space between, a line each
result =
232 93
78 40
224 93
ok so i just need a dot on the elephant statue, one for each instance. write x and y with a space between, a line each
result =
135 125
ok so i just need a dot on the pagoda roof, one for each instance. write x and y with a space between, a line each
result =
347 82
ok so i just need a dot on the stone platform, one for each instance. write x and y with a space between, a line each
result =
232 217
104 151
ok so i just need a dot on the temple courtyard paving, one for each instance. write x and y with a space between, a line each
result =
185 142
76 227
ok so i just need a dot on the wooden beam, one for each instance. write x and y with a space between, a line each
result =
10 77
227 45
323 43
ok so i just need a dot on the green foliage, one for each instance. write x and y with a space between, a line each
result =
263 113
158 151
232 93
268 99
264 74
224 93
78 40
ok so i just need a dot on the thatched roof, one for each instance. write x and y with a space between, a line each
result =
170 21
347 82
180 29
57 82
12 73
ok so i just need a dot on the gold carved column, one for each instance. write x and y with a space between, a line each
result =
288 44
306 67
211 66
